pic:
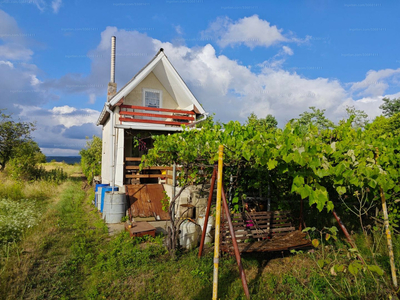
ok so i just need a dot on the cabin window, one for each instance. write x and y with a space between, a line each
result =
152 98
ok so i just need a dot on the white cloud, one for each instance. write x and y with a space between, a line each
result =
222 85
56 4
287 50
13 42
375 83
250 31
179 29
7 63
62 127
40 4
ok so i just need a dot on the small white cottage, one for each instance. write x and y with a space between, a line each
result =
155 101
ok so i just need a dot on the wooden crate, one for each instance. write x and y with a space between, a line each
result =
140 229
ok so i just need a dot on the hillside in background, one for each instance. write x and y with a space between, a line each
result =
66 159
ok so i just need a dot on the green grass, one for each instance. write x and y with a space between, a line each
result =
69 255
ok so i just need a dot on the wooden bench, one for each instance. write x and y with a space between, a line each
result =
262 232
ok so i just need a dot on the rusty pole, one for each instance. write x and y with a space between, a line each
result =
341 225
235 245
203 235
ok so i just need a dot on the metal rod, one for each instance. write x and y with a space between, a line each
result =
301 215
341 225
203 235
218 221
235 245
389 238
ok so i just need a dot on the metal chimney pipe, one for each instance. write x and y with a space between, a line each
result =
113 44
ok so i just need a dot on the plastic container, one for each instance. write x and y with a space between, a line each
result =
190 234
103 192
114 207
210 224
96 191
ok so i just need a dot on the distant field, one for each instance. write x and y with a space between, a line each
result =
66 159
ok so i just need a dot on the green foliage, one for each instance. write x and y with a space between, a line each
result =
25 160
13 135
315 164
360 118
268 122
334 262
316 117
91 158
165 202
390 107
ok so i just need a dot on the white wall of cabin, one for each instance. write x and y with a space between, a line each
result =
119 162
106 155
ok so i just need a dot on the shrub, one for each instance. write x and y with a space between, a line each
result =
91 158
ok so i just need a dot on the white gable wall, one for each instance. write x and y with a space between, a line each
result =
135 97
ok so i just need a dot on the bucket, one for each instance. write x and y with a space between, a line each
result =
96 191
210 224
189 235
114 207
103 192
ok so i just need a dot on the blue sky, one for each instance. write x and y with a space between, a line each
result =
238 57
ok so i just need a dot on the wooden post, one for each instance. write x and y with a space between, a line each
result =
203 235
217 222
235 245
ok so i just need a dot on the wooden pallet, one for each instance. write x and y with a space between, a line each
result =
263 232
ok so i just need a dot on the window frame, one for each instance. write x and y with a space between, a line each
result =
152 91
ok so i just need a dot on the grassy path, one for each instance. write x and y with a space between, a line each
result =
51 262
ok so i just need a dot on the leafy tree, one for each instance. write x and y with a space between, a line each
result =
390 107
12 135
91 158
25 160
316 117
267 123
360 117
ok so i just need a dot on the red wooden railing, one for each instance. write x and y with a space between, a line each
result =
132 113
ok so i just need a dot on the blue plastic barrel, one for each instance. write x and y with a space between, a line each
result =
103 192
96 191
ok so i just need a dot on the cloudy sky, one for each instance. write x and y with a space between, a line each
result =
238 57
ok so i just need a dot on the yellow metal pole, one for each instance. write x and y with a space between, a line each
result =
387 228
389 239
218 220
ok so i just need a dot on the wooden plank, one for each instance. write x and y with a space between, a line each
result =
148 176
175 117
178 111
152 168
146 168
151 121
133 159
292 240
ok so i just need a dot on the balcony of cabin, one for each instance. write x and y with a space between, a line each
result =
155 115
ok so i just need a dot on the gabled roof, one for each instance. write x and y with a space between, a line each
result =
169 78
